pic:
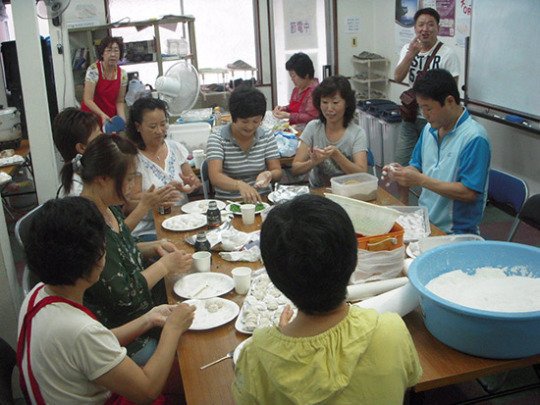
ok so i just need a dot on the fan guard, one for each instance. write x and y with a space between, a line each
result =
179 87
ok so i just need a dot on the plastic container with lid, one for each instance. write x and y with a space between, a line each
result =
361 186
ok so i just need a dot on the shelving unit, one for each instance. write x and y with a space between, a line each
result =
371 78
86 38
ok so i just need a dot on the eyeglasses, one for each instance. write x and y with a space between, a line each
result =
112 50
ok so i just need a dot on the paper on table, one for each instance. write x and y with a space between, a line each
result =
360 291
401 300
250 255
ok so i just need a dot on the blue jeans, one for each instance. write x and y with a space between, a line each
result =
147 237
408 136
142 356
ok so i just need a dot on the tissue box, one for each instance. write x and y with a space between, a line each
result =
362 186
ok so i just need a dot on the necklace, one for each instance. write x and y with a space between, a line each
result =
156 155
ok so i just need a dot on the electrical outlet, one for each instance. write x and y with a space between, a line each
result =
354 42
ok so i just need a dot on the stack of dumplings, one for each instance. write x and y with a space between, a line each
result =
263 305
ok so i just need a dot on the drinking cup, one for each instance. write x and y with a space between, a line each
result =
248 213
242 279
198 157
202 260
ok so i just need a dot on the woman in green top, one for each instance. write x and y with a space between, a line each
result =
123 291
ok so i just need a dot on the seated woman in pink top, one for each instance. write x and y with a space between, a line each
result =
300 109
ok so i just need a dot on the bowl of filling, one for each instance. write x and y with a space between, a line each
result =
481 298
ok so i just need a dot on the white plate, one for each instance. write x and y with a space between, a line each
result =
271 199
239 349
200 206
228 209
184 222
223 312
190 285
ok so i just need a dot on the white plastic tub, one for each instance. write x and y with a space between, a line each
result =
361 186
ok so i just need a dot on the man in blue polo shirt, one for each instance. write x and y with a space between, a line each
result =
451 158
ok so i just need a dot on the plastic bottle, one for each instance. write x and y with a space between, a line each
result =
182 47
213 215
217 116
202 244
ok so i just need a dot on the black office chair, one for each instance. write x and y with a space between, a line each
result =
8 361
530 214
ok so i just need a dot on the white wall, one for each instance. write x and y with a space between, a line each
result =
513 150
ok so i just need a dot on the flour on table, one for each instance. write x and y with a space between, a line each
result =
490 289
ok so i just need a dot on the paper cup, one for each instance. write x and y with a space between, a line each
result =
242 279
248 213
198 157
202 261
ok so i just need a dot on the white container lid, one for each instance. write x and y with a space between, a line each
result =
8 111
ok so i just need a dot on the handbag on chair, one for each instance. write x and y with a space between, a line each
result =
409 106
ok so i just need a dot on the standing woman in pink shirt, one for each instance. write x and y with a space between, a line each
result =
300 109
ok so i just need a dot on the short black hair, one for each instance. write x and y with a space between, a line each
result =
136 114
437 84
66 239
108 41
336 85
429 11
301 64
309 249
107 155
247 102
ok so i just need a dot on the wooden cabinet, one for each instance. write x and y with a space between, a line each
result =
371 78
149 49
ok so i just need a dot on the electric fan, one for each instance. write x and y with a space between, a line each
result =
179 87
52 9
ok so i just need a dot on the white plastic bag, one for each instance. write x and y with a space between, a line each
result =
380 265
287 143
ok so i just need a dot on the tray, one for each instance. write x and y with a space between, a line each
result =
265 302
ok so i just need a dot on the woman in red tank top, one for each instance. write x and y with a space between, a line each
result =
105 83
300 109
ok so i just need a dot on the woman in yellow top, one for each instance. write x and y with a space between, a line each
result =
331 352
105 83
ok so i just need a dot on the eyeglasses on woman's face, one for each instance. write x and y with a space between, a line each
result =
113 49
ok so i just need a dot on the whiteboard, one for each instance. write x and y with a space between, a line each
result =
504 55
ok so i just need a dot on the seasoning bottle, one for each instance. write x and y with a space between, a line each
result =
213 216
217 116
164 209
202 244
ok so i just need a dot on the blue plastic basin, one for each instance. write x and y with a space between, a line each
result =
497 335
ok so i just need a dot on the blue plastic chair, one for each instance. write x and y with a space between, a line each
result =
205 180
371 162
506 191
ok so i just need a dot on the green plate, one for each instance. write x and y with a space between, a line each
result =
235 208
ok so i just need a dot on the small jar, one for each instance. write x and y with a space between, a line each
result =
164 209
213 215
202 243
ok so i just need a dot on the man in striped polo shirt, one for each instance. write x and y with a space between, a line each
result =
242 159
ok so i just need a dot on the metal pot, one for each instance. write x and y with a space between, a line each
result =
10 124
